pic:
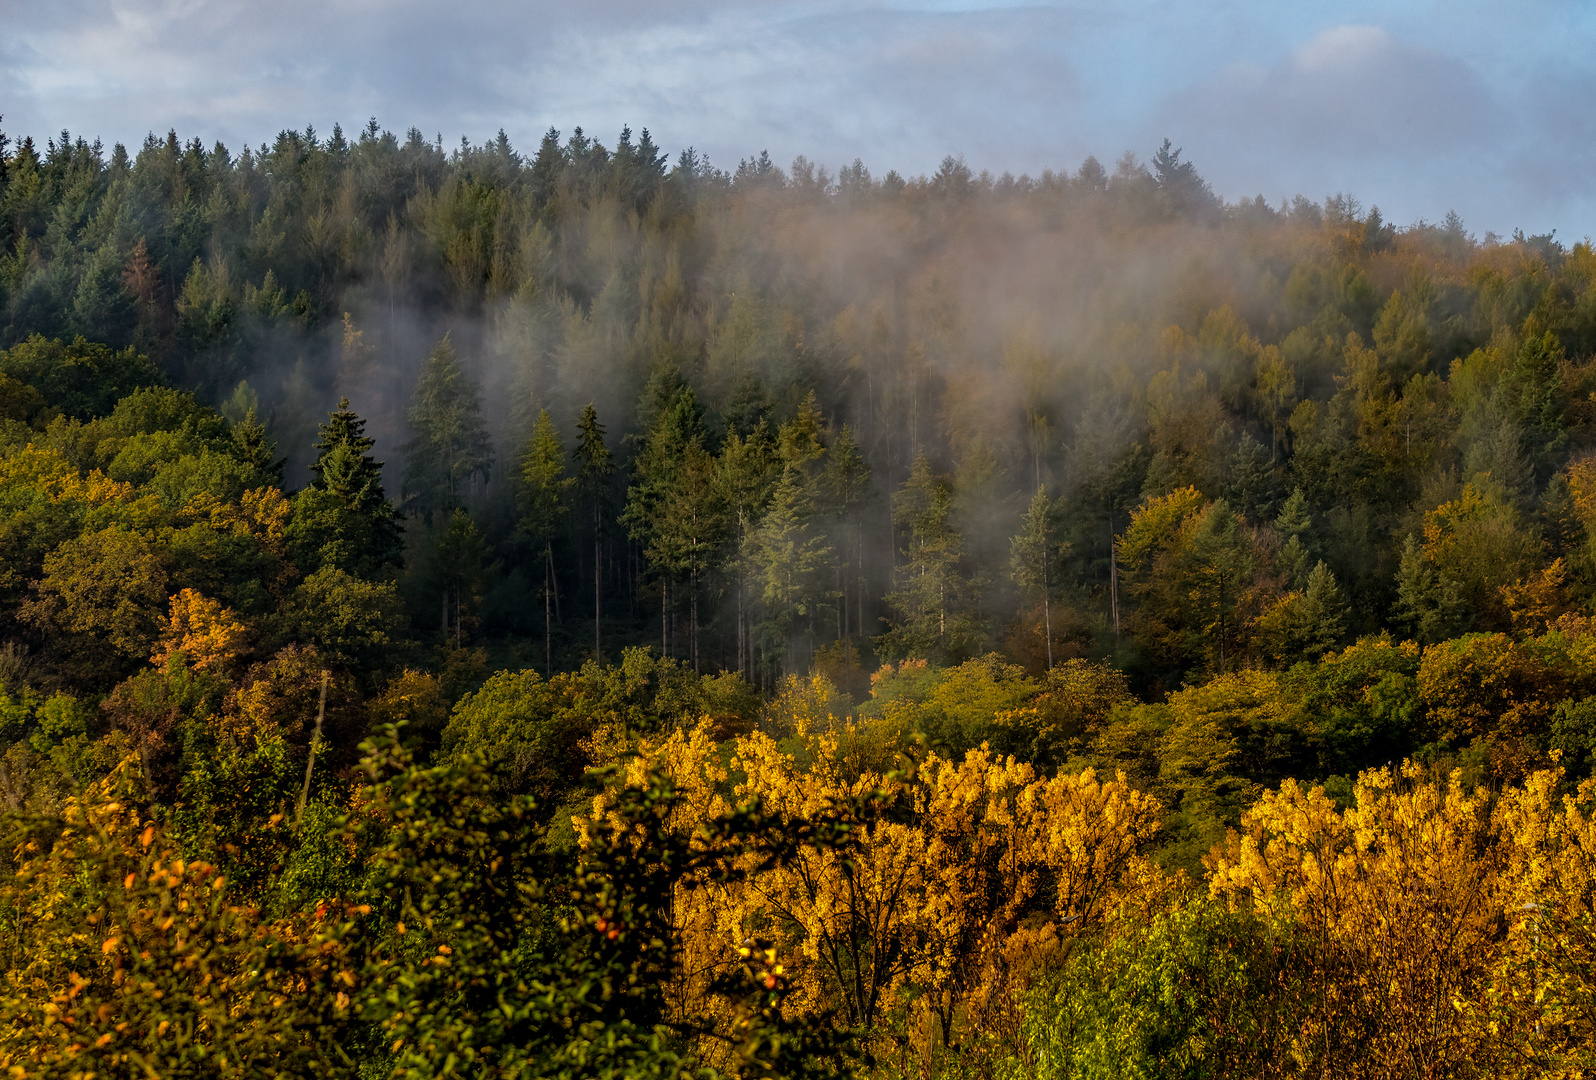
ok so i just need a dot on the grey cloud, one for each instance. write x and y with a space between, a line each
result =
1419 132
1387 113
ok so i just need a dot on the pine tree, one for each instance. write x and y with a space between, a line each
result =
451 448
789 556
672 504
542 507
253 448
595 464
1253 489
1429 607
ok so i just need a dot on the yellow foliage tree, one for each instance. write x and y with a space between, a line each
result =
1400 901
1543 993
205 631
919 935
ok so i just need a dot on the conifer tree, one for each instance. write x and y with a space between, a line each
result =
595 464
746 470
451 448
935 614
1321 614
343 517
1032 560
542 495
1429 606
846 483
1295 523
789 556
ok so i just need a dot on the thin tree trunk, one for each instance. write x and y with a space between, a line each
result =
1113 576
554 581
315 742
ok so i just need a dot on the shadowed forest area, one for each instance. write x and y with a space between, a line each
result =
578 614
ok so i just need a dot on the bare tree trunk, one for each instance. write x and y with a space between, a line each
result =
315 742
1113 575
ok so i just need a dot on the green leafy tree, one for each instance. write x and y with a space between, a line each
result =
1194 992
83 379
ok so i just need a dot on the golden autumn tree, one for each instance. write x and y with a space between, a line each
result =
205 631
916 935
1400 899
1542 998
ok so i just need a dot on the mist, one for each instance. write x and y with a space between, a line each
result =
1104 334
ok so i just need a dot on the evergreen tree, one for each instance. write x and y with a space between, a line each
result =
459 576
934 603
1295 524
1429 606
747 469
595 465
1321 614
846 483
1253 488
790 558
343 518
253 448
451 447
1032 560
541 508
673 506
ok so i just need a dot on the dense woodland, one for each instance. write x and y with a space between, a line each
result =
579 614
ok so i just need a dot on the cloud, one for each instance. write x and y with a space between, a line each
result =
1454 106
1418 131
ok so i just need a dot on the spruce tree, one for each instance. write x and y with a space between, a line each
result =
746 472
1295 524
846 483
1032 555
1321 614
595 464
934 609
451 448
343 517
542 506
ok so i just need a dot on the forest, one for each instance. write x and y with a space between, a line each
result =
584 613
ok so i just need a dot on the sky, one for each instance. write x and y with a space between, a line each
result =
1486 109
